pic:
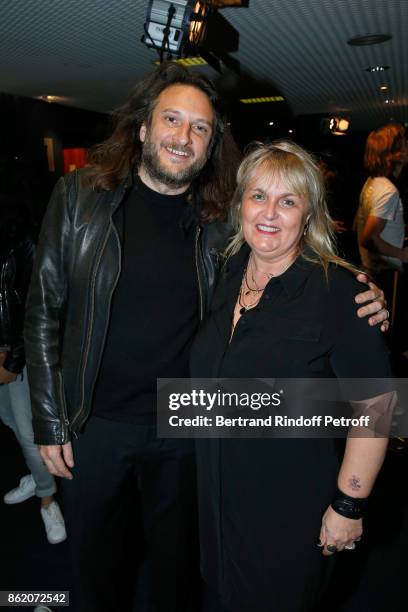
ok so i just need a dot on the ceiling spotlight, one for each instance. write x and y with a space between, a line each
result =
383 87
338 126
271 123
368 39
170 25
197 23
290 131
376 68
183 28
50 98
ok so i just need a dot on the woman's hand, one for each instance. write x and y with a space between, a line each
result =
338 531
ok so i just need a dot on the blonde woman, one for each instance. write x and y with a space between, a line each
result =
283 308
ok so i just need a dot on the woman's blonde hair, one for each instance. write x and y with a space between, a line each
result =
286 162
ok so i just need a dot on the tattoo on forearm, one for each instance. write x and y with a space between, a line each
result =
354 483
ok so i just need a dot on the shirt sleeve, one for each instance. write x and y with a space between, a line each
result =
385 202
359 350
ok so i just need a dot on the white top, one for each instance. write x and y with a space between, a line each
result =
380 198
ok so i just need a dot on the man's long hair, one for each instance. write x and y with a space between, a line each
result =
113 159
383 149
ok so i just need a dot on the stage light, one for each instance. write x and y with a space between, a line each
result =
170 25
338 126
182 28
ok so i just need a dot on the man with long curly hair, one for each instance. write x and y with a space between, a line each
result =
127 261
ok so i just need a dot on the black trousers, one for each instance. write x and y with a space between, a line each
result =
127 481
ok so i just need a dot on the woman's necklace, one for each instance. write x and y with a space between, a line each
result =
246 289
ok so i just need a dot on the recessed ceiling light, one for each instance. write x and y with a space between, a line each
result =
368 39
377 68
271 123
383 87
290 131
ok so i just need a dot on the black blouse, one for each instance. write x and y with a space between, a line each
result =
305 325
261 500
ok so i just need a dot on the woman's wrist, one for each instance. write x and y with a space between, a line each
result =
347 506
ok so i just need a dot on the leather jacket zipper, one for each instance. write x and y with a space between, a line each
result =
90 326
200 289
105 332
62 400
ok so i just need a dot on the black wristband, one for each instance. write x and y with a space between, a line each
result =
350 507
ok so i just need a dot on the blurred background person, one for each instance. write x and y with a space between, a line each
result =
340 199
16 257
380 216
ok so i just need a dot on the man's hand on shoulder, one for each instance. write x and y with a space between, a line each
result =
58 458
6 377
376 304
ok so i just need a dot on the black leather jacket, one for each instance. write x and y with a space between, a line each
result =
76 270
16 260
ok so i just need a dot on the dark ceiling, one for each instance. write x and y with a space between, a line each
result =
88 52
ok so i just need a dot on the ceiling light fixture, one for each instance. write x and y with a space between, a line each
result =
49 98
170 25
183 28
383 87
338 126
368 39
376 68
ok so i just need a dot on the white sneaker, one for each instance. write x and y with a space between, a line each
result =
54 523
25 489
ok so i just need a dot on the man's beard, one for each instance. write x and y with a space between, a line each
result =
181 178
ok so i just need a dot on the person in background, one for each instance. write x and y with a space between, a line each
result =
340 203
16 258
380 216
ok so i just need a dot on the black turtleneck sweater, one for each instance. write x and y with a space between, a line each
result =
154 311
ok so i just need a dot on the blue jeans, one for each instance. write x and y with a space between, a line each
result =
15 412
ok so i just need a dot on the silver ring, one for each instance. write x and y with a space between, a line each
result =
350 546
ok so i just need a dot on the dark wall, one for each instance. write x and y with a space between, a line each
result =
24 123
